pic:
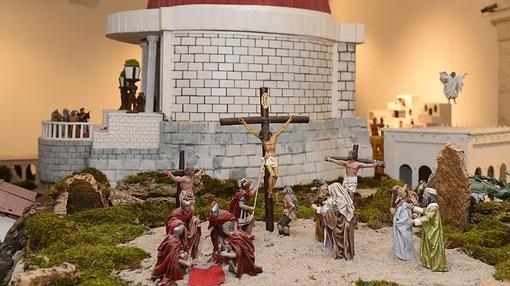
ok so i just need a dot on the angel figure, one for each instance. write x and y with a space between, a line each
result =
452 84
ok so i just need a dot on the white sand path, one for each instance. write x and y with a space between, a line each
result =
298 260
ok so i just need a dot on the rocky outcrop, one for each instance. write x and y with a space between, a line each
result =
122 198
14 242
47 276
85 193
453 186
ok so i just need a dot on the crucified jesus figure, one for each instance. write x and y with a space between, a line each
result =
352 166
268 140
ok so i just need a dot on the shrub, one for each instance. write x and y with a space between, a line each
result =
27 184
219 188
131 63
5 173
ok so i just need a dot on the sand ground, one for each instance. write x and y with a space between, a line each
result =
298 260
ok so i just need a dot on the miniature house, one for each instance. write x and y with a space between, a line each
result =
202 62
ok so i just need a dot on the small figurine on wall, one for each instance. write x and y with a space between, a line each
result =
432 247
239 205
403 246
140 102
452 84
172 260
290 205
239 249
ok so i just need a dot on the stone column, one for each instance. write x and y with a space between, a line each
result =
501 20
144 46
151 72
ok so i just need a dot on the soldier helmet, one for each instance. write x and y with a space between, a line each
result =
245 183
215 207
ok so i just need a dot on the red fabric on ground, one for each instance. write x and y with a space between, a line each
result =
211 276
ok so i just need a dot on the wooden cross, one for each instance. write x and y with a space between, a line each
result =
354 156
178 172
264 120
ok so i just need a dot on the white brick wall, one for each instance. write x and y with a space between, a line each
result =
220 72
129 130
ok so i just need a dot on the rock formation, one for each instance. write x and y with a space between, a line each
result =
453 185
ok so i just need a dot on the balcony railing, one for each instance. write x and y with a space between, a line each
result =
67 130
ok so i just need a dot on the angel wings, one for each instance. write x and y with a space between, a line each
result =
452 84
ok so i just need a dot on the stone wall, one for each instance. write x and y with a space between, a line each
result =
217 74
118 163
59 158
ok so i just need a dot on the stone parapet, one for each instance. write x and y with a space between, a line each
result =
59 158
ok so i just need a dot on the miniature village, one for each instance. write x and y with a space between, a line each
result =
235 154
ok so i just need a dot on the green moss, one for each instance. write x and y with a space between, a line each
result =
5 173
491 210
219 188
360 282
89 239
155 193
503 270
140 178
374 209
487 239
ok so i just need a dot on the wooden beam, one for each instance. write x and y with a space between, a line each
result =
260 119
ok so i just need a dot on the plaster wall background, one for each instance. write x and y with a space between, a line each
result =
55 55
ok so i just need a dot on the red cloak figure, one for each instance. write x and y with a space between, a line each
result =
168 266
217 218
239 206
242 244
192 233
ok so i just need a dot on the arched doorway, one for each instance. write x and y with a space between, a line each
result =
490 171
406 175
424 173
502 173
478 171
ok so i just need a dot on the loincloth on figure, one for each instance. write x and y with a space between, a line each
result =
271 161
350 183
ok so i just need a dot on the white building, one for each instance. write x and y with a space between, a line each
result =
410 153
203 62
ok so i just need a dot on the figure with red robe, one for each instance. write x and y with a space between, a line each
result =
192 231
217 218
239 249
239 206
172 259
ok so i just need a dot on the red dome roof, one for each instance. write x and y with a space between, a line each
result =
316 5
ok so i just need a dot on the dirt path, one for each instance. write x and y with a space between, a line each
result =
298 260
